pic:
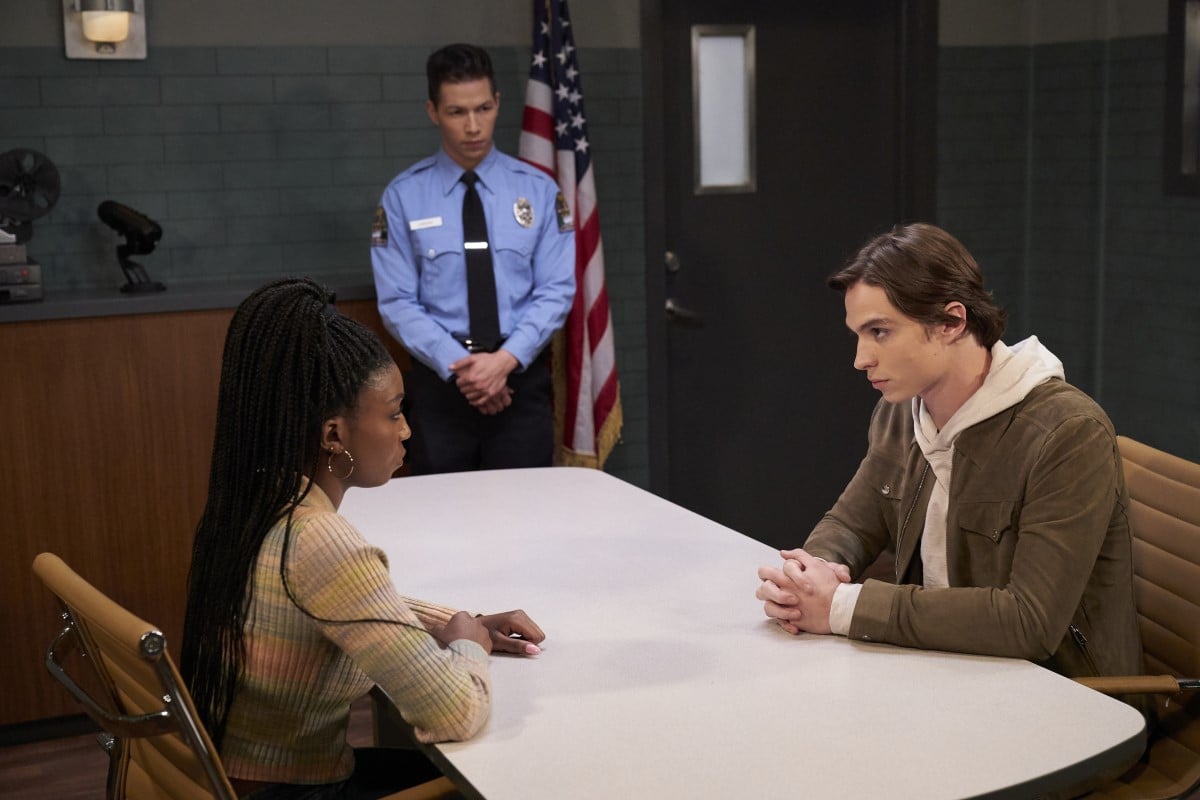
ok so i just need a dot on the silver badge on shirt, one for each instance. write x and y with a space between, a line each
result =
523 211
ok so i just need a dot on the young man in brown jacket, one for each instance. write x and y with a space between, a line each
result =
997 484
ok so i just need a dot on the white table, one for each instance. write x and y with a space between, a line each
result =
661 677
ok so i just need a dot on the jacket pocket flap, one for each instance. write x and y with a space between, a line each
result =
990 518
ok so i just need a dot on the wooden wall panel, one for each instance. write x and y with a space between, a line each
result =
109 431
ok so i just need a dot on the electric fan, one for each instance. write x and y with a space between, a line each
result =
29 187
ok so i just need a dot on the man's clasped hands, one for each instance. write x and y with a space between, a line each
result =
799 594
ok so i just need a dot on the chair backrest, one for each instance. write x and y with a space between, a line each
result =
1164 513
162 749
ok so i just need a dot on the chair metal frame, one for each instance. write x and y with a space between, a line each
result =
177 714
173 717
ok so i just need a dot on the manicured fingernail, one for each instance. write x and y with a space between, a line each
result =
532 649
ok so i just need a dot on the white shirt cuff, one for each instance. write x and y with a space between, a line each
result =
841 610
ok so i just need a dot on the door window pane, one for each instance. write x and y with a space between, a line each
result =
723 103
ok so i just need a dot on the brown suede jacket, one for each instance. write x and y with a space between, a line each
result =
1038 543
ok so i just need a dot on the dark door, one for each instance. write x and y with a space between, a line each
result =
758 418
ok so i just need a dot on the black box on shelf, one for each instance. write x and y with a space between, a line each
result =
13 254
20 283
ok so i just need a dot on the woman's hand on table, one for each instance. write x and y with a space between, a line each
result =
513 632
464 626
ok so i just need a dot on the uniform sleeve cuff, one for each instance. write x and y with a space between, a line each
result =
521 349
446 354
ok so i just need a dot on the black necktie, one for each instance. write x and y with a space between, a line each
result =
481 281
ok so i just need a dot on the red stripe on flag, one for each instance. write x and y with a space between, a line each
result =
598 318
548 172
538 122
606 398
573 331
587 236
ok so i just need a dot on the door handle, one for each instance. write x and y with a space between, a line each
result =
677 313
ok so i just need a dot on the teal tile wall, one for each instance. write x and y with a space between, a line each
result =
259 162
1050 170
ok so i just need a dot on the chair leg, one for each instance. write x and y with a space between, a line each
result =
118 764
436 789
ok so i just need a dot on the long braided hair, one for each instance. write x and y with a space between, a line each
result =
291 361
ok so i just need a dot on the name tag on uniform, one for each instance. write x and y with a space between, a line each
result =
422 224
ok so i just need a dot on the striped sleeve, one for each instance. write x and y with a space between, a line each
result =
343 582
430 614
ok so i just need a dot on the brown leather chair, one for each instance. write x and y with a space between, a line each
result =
158 748
1164 513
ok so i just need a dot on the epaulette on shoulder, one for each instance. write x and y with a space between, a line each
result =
529 170
424 165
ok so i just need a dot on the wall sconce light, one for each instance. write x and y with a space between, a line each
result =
105 29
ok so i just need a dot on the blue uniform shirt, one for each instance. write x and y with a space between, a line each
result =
419 261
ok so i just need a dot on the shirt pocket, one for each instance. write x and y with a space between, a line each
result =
990 519
440 263
516 240
512 252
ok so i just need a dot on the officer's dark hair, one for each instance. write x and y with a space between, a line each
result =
457 63
291 361
921 268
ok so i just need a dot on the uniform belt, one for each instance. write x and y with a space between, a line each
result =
477 346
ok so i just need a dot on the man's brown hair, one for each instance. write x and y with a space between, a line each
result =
921 268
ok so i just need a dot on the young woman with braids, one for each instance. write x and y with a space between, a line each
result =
291 615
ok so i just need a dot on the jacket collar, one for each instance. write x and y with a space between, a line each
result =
978 442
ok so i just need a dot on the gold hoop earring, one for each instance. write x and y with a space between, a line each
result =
332 455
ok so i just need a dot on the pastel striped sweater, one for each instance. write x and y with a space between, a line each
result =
292 707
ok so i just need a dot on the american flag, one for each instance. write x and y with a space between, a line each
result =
554 139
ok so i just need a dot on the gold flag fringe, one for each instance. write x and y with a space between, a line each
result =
606 438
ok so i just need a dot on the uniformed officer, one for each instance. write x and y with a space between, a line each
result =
479 393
